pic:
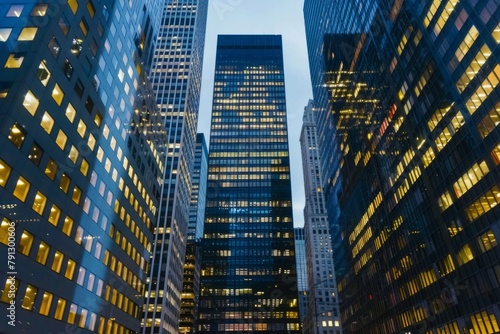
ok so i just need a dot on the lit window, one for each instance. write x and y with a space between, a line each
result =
487 241
70 113
39 10
57 263
73 154
72 309
31 103
25 243
61 305
46 303
490 121
484 90
47 122
57 94
54 215
495 154
35 154
5 292
496 34
465 255
68 226
470 178
27 34
29 298
77 195
70 269
61 139
91 9
81 128
79 235
17 135
39 203
15 60
83 318
84 26
4 229
4 34
43 253
51 169
43 73
91 142
4 173
64 184
466 44
73 4
22 189
483 204
15 11
84 168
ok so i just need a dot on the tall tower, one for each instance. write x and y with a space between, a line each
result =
176 77
419 202
80 164
300 258
323 313
248 264
192 265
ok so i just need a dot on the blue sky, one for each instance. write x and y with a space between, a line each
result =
283 17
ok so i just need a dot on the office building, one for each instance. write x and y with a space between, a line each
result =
176 77
300 259
249 280
81 164
323 314
419 194
192 265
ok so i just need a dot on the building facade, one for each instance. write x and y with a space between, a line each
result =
192 265
176 77
81 164
249 279
418 201
300 259
323 315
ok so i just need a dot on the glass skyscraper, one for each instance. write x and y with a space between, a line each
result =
192 265
176 78
415 102
81 164
323 315
248 263
300 259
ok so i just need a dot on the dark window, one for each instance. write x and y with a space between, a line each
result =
79 88
64 24
36 153
54 47
68 69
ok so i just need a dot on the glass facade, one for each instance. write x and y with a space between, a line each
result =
81 163
323 315
192 265
418 164
176 77
248 264
300 259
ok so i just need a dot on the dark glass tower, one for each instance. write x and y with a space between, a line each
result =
80 164
414 97
300 259
248 264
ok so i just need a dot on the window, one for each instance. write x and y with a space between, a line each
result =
67 226
22 189
43 73
46 303
47 122
4 229
72 309
64 24
57 94
31 103
70 112
25 243
27 34
17 135
77 195
84 26
43 253
39 203
487 241
61 305
5 292
61 139
64 184
91 8
81 276
15 60
29 298
51 169
83 318
4 34
55 213
35 154
15 11
39 10
4 173
81 128
79 235
490 121
68 70
91 142
483 204
70 269
73 154
73 4
464 255
54 47
57 263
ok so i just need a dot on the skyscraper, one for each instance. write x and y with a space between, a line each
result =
176 77
80 164
300 259
192 265
323 313
248 262
419 170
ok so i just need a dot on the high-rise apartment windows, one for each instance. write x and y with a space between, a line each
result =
61 139
73 4
64 183
29 298
47 122
22 189
54 47
25 243
61 305
39 203
487 241
27 34
43 253
46 303
39 10
15 11
54 215
483 204
17 135
4 173
67 226
4 34
57 94
31 103
70 269
51 169
464 255
15 60
57 261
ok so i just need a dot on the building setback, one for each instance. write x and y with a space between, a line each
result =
176 77
417 132
248 263
323 315
81 163
192 265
